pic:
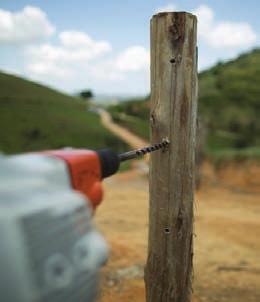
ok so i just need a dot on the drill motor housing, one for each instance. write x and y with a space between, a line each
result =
50 249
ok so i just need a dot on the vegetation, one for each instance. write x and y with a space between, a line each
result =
229 102
133 114
229 108
34 117
86 94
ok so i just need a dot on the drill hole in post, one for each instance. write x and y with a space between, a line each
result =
167 231
172 60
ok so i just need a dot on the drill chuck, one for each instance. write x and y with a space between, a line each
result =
110 161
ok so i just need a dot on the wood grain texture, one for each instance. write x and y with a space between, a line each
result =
168 273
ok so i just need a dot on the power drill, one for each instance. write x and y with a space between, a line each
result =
50 249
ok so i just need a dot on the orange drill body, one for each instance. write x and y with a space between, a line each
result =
87 168
85 172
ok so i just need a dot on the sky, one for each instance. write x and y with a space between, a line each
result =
104 45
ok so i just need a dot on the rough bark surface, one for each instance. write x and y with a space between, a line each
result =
168 274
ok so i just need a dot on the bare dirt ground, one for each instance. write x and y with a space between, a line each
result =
227 241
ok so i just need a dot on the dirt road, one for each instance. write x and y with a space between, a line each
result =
135 142
227 242
131 139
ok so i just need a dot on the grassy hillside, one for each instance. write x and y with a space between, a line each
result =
229 102
34 117
229 108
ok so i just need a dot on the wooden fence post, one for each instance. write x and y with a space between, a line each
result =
168 273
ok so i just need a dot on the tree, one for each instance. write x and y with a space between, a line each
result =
86 94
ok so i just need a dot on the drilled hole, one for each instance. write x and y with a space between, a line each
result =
167 231
172 61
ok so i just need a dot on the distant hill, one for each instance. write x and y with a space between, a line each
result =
229 102
229 108
35 117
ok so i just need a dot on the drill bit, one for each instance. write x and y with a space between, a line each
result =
139 152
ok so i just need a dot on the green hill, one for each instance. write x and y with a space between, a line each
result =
229 108
229 102
34 117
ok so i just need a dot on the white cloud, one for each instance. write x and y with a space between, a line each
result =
76 60
80 40
105 71
75 49
24 26
134 58
70 69
167 8
48 69
223 34
76 54
231 34
205 17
